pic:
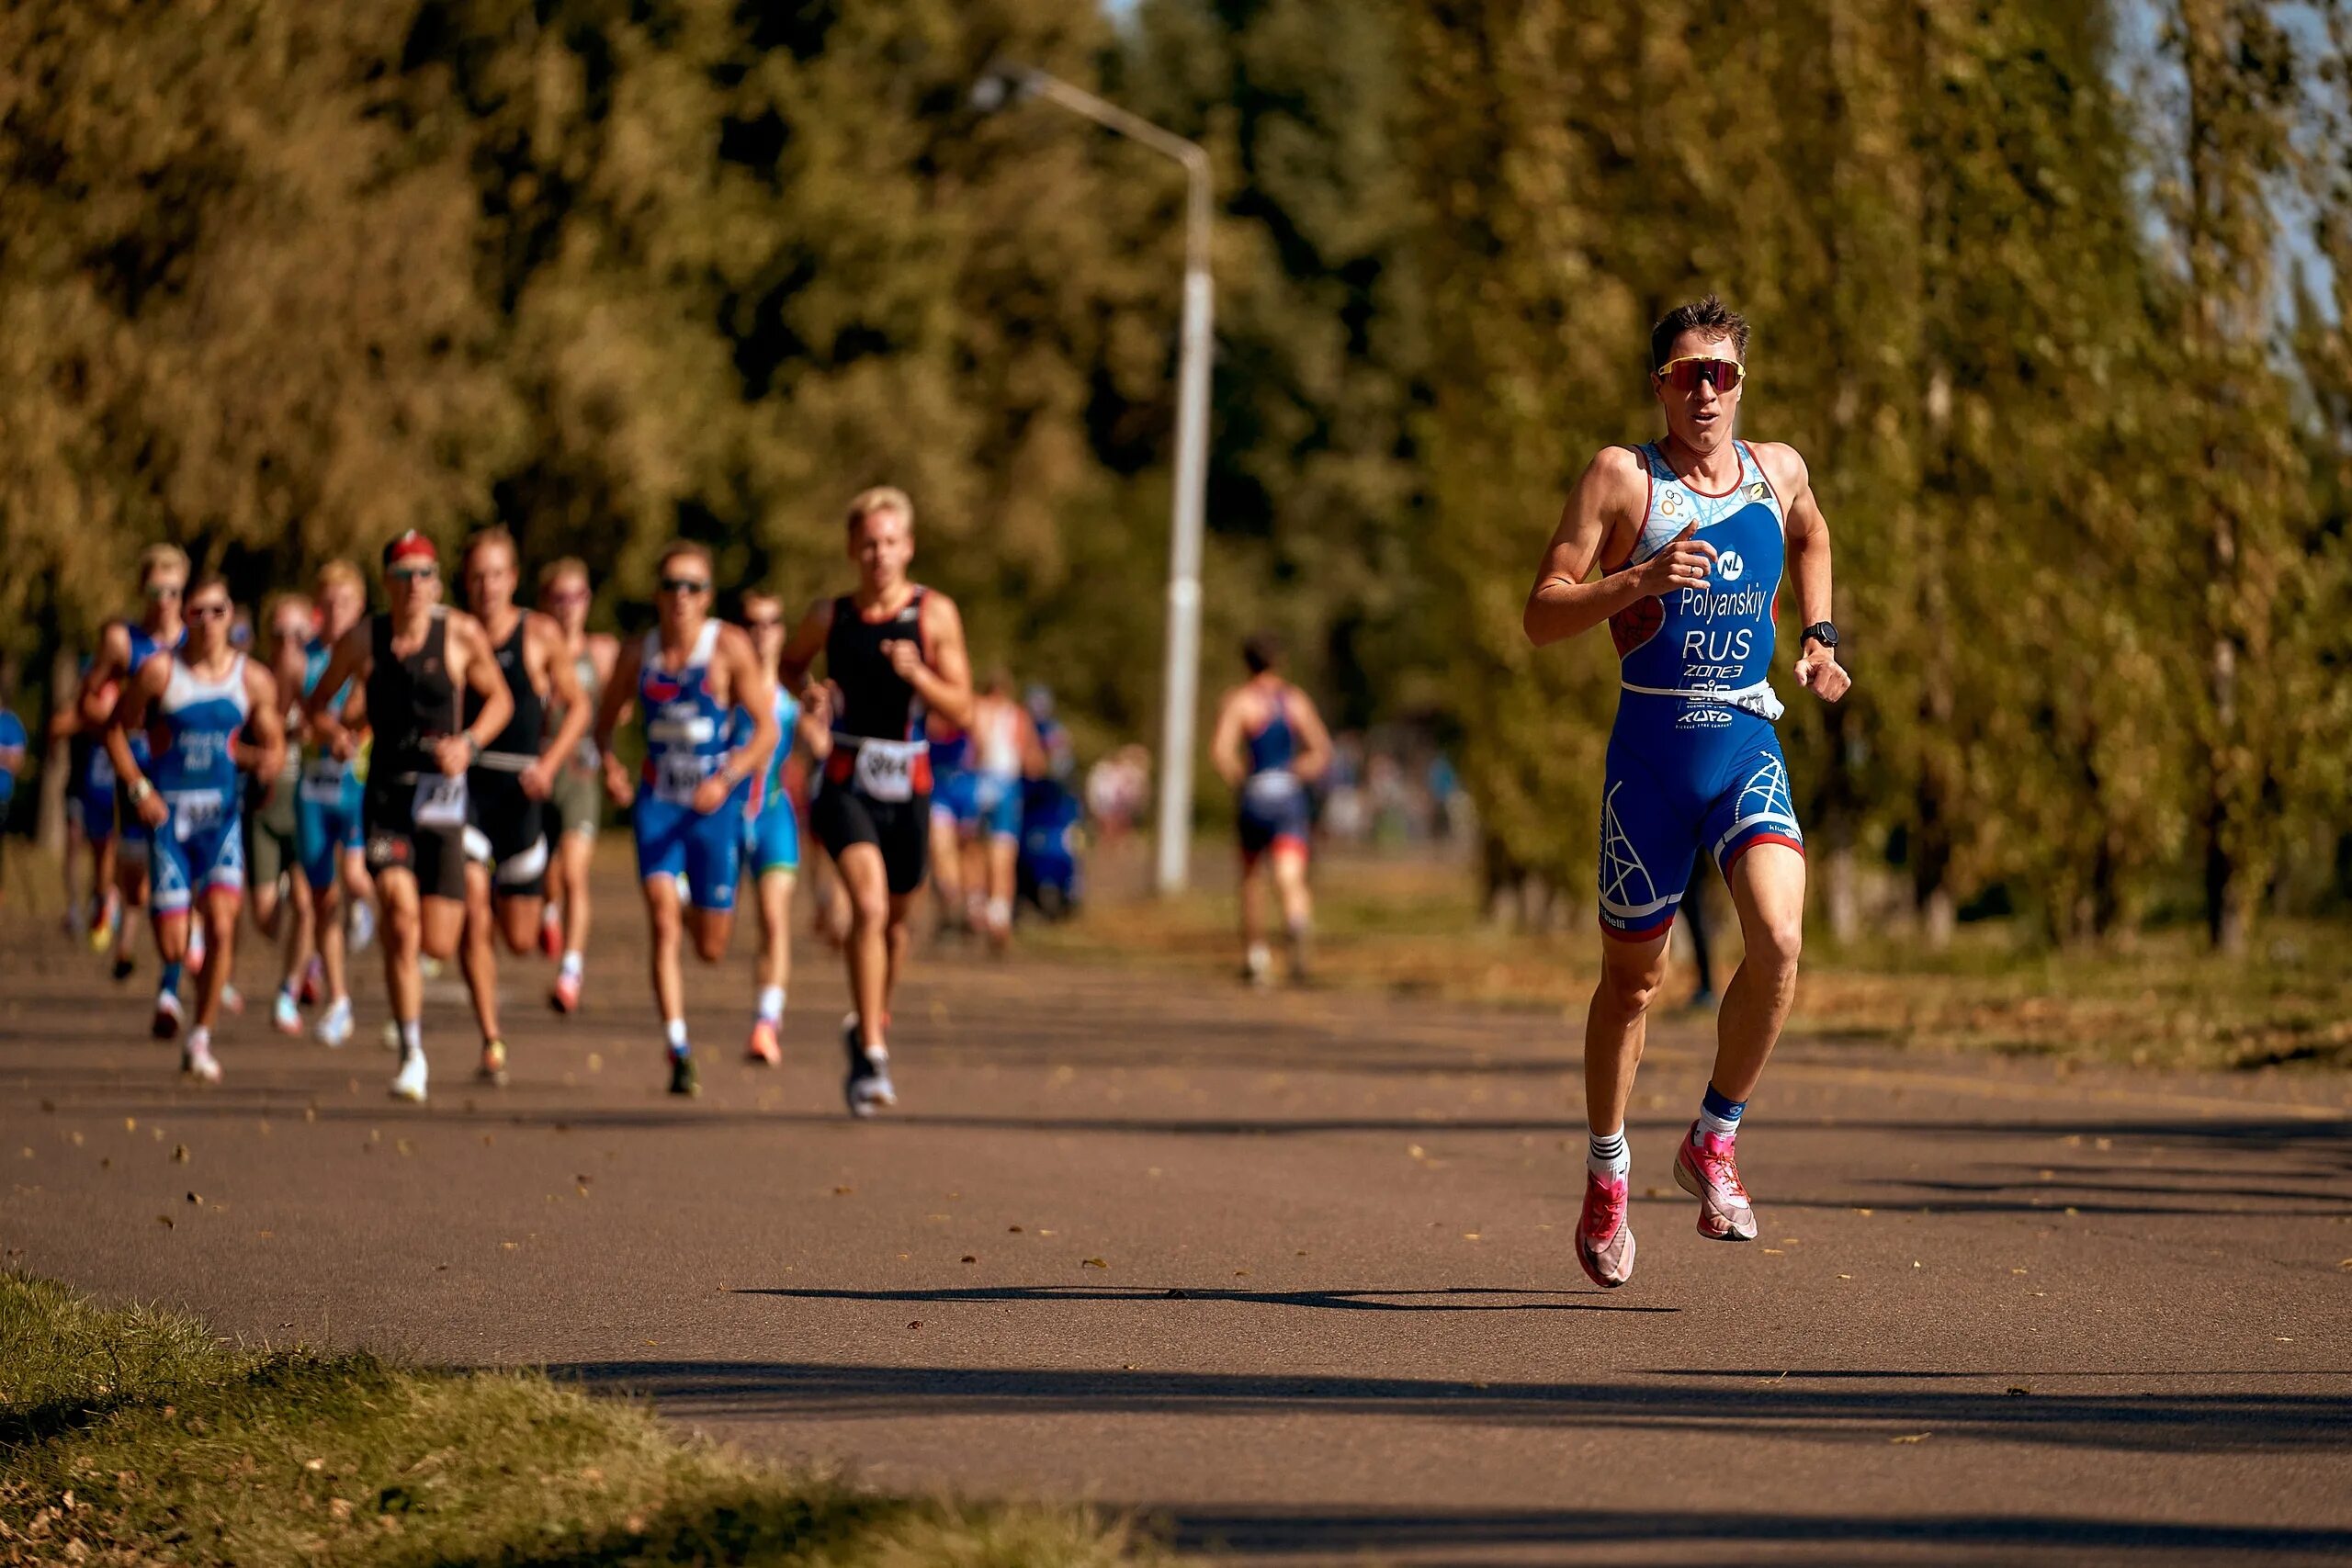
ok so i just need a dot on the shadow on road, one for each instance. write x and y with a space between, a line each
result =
1337 1301
2123 1421
1281 1531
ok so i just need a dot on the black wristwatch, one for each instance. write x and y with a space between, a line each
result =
1821 632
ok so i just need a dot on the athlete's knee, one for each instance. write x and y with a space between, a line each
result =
1778 942
710 938
1631 976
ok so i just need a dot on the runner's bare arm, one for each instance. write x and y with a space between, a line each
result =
1808 549
544 638
265 754
619 696
944 680
111 663
348 662
1225 746
472 663
1034 761
1315 740
1600 524
751 686
808 640
130 712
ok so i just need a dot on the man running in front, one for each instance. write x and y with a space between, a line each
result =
196 705
1270 745
122 650
688 676
328 803
1692 533
578 802
413 665
893 650
507 845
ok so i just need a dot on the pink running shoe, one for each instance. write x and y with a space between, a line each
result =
764 1046
1604 1241
564 995
1704 1168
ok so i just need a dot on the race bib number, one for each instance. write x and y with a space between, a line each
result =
678 775
885 770
324 780
1273 787
196 811
440 801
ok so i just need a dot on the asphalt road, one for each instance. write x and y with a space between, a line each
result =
1290 1272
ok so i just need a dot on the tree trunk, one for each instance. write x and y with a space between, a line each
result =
57 760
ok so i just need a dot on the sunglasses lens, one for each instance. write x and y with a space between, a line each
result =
683 585
1685 375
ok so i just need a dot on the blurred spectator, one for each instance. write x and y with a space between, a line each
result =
1117 789
12 762
1061 755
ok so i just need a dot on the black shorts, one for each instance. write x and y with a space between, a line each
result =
842 815
434 856
509 834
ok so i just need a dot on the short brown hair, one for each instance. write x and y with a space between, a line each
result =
341 573
1261 651
155 556
677 548
1708 316
881 498
560 568
495 534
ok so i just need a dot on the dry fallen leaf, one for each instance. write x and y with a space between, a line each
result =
969 1258
179 1154
1914 1438
1095 1263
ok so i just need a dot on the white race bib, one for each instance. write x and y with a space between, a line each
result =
677 776
323 780
886 769
1275 786
440 801
195 811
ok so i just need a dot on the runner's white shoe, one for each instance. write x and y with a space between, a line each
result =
285 1015
169 1014
866 1088
1707 1171
410 1084
197 1060
333 1027
1604 1241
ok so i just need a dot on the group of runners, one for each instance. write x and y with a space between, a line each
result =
433 756
433 779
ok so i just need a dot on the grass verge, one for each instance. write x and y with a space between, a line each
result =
138 1436
1414 928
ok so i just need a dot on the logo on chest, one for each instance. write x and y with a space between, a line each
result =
1728 565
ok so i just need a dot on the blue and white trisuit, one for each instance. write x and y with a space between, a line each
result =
688 737
1693 762
771 825
191 730
1272 813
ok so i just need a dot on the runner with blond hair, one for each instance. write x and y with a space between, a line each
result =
122 648
893 652
576 806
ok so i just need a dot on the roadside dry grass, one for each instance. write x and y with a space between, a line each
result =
138 1436
1413 927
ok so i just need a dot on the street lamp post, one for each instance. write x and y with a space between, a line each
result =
1182 678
